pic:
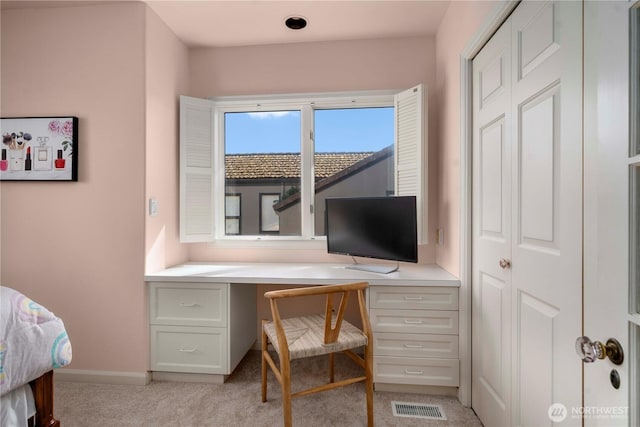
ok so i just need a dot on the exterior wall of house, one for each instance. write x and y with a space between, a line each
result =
370 181
250 205
373 181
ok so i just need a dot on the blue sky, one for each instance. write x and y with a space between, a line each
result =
343 130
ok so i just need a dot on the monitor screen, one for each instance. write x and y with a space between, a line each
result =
372 227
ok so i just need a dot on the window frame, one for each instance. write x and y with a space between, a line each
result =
202 159
306 104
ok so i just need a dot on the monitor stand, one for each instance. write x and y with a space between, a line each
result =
373 268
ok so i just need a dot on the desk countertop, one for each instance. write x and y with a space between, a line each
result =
302 274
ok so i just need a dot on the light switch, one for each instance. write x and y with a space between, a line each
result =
153 207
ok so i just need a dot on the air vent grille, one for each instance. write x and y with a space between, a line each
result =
418 410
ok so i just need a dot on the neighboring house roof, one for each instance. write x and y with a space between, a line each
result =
286 165
340 175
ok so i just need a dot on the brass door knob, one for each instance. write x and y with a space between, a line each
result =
504 263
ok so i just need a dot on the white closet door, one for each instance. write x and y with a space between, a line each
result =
491 241
547 209
527 299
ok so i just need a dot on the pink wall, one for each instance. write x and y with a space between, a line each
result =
78 247
316 67
461 21
166 78
82 248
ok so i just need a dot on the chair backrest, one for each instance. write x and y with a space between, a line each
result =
332 323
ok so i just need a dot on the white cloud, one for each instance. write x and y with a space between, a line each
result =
268 114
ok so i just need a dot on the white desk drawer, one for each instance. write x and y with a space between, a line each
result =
414 321
413 297
195 304
189 349
415 345
405 370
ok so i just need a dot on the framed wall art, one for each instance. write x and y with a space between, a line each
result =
39 149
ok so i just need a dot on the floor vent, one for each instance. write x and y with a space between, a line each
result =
418 410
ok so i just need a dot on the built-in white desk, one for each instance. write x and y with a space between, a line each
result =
203 317
302 274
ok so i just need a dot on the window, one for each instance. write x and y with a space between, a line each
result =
232 216
269 219
284 156
262 162
364 167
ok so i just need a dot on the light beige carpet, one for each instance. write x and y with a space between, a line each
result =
237 402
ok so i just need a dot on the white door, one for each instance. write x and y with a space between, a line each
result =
611 162
491 225
527 299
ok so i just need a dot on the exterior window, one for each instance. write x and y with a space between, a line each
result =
262 155
352 156
232 214
362 167
269 219
283 156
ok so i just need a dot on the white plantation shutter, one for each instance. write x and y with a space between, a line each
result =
410 149
196 170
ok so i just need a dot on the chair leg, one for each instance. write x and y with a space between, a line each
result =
331 368
285 370
264 364
369 383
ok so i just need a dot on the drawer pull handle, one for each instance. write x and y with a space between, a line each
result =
413 346
408 372
413 322
187 350
413 298
188 304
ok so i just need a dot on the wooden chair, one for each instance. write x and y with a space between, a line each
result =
314 335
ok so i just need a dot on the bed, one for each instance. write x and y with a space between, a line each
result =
33 342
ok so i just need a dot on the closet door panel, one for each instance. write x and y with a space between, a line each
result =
546 264
491 286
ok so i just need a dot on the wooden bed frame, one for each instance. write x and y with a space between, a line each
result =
42 388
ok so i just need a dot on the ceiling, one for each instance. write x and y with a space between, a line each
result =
241 23
222 23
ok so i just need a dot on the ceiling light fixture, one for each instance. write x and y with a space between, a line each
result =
295 22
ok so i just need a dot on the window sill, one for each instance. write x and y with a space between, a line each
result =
319 242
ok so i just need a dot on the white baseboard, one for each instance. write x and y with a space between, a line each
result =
189 378
418 389
102 377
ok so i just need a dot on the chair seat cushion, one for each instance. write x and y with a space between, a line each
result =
305 336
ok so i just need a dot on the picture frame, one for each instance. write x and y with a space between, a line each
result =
39 148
